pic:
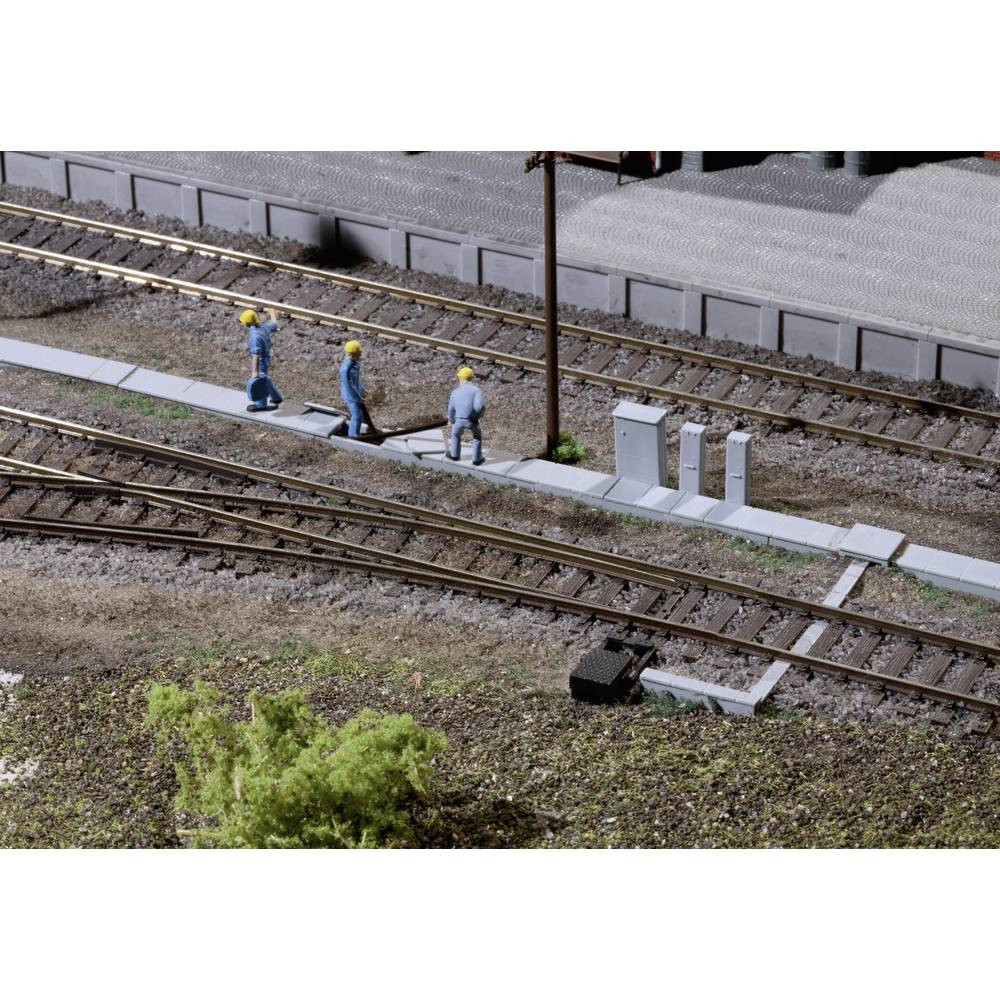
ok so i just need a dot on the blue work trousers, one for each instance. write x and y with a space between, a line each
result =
273 395
456 438
354 428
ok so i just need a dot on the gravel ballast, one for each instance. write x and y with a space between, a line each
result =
937 504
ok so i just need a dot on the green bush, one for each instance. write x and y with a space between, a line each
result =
286 778
569 451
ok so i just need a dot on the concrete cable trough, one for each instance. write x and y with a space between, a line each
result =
622 494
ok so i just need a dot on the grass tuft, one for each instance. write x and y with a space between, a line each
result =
936 596
569 451
665 705
766 558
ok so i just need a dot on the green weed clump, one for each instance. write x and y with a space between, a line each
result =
938 597
766 558
286 778
665 705
569 451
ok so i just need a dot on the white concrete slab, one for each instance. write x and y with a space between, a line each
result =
562 480
441 463
206 396
25 354
693 509
723 512
914 557
111 372
877 545
497 466
602 489
983 574
364 447
397 445
660 499
946 566
730 700
626 491
325 423
826 536
802 535
794 529
768 523
298 423
729 517
430 442
401 455
157 384
326 408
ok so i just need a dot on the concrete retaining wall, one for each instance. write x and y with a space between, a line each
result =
854 341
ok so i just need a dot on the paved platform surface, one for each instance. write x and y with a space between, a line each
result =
919 245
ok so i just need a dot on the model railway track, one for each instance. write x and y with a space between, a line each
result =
67 479
651 371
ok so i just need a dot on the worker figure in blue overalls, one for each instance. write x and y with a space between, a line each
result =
259 349
351 389
465 409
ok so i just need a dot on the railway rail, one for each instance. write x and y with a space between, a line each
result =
68 479
648 370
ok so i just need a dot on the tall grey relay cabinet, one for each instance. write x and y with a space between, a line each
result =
641 443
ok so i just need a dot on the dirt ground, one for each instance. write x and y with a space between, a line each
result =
526 766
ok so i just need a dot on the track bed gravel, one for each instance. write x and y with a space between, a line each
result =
941 505
891 594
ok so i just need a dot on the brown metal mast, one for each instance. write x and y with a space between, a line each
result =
548 159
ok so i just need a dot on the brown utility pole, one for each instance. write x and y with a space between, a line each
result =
548 160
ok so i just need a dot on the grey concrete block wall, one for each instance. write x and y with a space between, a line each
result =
858 342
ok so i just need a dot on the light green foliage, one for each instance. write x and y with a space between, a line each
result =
569 451
286 778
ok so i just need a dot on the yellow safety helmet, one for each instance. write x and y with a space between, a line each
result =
465 374
249 318
352 347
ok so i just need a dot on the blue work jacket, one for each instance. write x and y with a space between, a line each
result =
259 343
351 389
466 403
